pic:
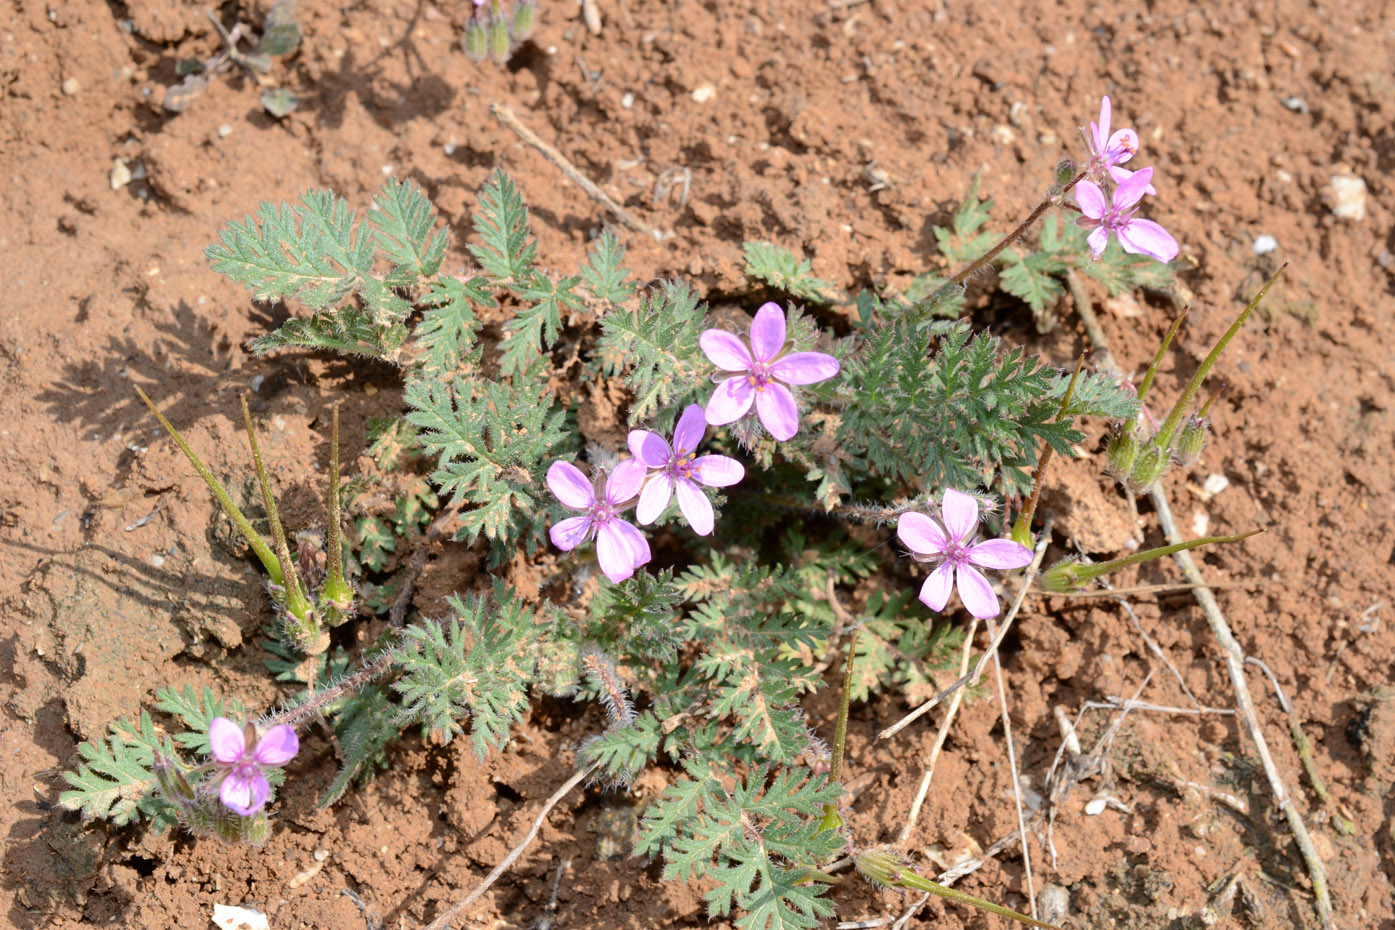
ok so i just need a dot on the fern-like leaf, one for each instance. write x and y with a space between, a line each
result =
447 330
501 222
197 711
602 273
656 348
780 269
404 221
114 779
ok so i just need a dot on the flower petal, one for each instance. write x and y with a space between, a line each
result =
624 482
921 534
277 746
805 368
935 592
649 447
1098 241
621 549
244 794
226 741
1131 191
570 533
1123 144
687 435
1106 119
1090 199
1144 237
730 402
653 499
717 471
1120 175
778 412
697 509
977 594
768 332
960 514
570 486
1000 553
725 350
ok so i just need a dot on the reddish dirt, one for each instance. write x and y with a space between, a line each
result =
1246 110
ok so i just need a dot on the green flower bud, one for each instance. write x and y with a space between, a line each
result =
1191 439
1152 461
499 42
476 41
1122 452
524 16
173 785
1065 576
1065 170
881 865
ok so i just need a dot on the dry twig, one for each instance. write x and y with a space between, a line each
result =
506 116
459 907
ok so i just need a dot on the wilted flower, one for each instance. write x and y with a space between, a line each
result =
1137 236
681 471
244 788
951 545
620 547
757 374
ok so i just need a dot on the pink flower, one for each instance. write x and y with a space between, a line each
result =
1137 236
681 470
620 547
1108 152
244 788
758 373
949 543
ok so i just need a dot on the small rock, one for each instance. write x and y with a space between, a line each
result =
239 918
71 87
1201 522
256 383
1095 806
120 174
1215 484
224 131
628 100
704 93
1348 197
1054 903
1265 244
1296 104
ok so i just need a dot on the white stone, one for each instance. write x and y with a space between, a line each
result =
1096 806
1215 484
120 174
227 917
1265 244
628 100
1349 197
704 93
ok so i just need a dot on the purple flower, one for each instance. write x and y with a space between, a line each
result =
1137 236
620 547
681 469
949 543
758 371
244 788
1108 152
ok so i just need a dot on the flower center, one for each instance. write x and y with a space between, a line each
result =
603 512
759 374
681 466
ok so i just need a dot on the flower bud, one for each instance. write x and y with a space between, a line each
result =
881 865
525 14
476 42
1122 452
499 42
1063 577
1152 461
1191 439
1065 171
173 785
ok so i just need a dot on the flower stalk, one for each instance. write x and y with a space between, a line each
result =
1070 575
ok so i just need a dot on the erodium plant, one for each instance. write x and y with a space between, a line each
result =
691 570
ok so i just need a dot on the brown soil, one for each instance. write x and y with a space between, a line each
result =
1247 111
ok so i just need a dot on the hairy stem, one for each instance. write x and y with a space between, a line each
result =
358 679
831 818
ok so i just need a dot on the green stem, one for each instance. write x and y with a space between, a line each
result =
1179 409
1022 529
220 493
973 267
1071 575
920 883
1158 357
337 595
294 599
831 818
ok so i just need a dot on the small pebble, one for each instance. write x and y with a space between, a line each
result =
627 101
157 560
1265 244
1296 104
370 389
1095 806
704 93
387 169
449 149
120 174
321 855
1201 522
224 131
71 87
1215 484
1348 197
256 383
